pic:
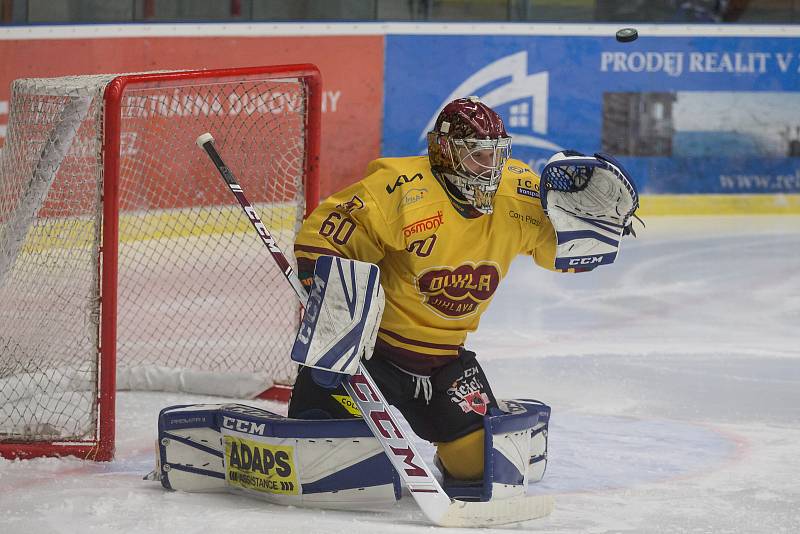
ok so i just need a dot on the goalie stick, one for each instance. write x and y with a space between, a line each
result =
437 506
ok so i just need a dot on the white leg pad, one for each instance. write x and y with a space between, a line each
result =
241 449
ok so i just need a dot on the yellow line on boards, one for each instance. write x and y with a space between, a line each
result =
719 205
79 232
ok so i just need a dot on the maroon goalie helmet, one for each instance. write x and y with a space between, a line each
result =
468 147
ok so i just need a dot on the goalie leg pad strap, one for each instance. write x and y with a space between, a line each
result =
241 449
515 452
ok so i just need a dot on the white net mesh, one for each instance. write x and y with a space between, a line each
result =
201 307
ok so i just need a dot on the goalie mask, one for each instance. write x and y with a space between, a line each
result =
468 148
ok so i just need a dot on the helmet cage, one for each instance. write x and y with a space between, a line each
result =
476 166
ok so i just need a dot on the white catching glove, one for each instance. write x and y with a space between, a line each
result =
590 201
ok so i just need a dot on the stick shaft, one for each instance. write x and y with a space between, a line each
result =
206 142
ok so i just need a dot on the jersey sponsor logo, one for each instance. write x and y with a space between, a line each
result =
401 180
476 401
351 205
422 247
516 169
524 217
261 467
527 192
347 402
454 293
424 225
527 188
467 392
412 196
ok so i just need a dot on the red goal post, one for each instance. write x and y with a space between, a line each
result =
115 235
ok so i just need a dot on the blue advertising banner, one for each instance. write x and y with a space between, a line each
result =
684 114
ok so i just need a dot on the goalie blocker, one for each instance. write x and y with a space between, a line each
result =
341 319
332 463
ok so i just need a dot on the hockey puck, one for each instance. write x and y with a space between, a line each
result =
626 35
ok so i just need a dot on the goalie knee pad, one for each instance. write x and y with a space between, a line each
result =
241 449
515 452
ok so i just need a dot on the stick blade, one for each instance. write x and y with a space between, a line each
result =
496 512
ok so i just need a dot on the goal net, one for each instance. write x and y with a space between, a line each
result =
124 260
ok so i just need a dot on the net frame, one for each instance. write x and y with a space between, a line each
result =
101 446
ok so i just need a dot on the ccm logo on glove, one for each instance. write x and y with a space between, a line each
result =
586 261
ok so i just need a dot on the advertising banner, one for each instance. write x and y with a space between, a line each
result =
685 114
351 66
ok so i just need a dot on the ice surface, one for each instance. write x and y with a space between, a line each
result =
674 378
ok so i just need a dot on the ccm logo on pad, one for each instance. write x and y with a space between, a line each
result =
586 261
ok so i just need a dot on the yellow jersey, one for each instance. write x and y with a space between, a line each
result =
439 269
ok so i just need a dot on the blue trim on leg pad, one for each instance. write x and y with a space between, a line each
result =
188 450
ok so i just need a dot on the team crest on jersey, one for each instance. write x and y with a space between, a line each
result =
351 205
467 392
457 292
